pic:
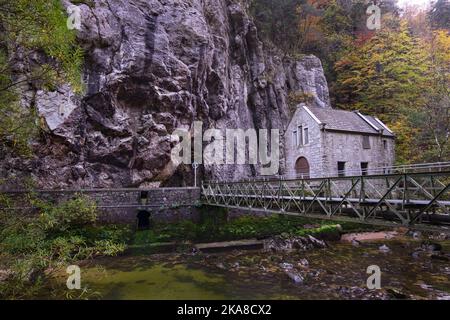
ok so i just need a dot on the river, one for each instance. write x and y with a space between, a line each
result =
337 272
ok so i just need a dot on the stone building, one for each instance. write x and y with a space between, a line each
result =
323 142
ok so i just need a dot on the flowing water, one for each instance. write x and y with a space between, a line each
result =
338 272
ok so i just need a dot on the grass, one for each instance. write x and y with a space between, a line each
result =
214 228
53 236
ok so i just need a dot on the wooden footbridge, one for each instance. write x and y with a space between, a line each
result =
421 199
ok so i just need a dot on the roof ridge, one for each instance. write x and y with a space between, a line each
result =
367 121
350 121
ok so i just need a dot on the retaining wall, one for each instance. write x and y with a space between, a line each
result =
123 205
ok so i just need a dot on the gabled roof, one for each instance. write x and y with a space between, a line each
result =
380 125
350 121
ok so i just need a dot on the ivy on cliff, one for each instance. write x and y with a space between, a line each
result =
37 49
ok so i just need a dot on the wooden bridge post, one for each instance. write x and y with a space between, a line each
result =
303 195
362 197
328 201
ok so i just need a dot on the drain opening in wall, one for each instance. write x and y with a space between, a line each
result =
143 220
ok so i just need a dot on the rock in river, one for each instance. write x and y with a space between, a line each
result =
286 266
431 246
303 263
295 276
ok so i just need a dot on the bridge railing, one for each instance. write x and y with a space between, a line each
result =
409 168
109 199
406 198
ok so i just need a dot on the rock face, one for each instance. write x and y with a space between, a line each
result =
152 66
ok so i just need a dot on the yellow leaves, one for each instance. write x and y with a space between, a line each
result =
343 63
406 149
387 76
440 47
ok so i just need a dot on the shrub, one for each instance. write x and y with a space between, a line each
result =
57 234
71 214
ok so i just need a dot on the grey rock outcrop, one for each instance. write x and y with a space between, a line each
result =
153 66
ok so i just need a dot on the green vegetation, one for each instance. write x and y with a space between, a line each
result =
327 230
55 235
216 228
297 97
37 51
405 81
35 245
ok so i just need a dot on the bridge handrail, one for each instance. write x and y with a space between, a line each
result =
377 171
94 190
261 179
409 168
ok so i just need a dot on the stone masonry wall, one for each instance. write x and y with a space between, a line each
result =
123 205
326 148
313 151
347 147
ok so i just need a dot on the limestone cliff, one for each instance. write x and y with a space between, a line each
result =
152 66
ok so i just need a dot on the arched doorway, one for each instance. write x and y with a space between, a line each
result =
143 220
302 168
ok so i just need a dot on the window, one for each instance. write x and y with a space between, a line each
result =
295 137
305 136
385 144
341 169
364 168
366 142
300 135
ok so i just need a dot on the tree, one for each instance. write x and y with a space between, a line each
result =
439 15
386 77
436 131
288 24
31 29
399 73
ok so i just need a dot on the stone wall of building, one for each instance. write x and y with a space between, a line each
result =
348 147
313 151
326 148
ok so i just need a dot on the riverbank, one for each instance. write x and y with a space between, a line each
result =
215 227
200 256
35 243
